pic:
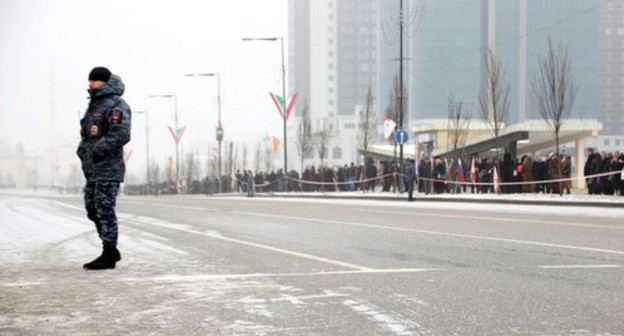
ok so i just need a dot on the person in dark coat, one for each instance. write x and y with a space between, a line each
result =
507 173
371 174
439 171
593 167
617 164
105 129
540 173
410 178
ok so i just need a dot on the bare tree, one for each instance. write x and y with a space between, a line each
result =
305 143
235 161
321 142
394 101
258 156
554 91
367 125
229 157
494 97
268 158
245 156
458 123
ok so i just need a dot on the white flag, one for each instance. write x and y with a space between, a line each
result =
389 125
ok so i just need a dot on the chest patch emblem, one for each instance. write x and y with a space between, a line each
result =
116 116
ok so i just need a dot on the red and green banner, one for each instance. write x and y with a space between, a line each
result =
177 136
279 102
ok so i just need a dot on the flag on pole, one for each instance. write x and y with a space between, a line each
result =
473 171
177 135
389 125
462 175
276 144
496 186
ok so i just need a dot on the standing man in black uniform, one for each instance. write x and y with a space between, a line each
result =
105 129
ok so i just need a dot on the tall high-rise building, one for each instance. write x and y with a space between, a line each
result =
449 40
611 67
332 64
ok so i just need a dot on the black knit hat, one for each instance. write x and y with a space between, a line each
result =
99 74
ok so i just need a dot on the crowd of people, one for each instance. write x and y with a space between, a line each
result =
433 175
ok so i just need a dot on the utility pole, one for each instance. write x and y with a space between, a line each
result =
219 124
401 17
147 170
284 98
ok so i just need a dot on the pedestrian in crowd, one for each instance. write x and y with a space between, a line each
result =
607 184
420 174
507 172
566 174
527 174
540 173
105 129
617 164
250 183
554 173
409 178
371 175
351 176
239 181
485 176
592 167
439 171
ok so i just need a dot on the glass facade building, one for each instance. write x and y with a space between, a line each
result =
446 49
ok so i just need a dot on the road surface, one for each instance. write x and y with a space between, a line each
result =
194 265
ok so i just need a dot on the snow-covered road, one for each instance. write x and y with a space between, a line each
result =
232 266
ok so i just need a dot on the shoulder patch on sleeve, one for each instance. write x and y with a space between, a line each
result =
116 116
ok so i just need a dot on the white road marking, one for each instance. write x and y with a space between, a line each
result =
505 219
389 321
439 233
298 300
577 266
207 277
212 234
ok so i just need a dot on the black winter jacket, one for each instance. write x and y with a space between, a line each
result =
105 129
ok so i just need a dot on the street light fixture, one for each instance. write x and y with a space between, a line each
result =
284 99
177 154
219 125
146 144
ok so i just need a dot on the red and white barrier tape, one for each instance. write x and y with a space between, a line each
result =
519 183
340 183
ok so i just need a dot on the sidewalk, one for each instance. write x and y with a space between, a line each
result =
576 200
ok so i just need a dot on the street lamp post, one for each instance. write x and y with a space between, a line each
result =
146 144
177 154
219 125
284 99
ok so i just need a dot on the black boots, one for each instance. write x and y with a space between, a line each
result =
107 260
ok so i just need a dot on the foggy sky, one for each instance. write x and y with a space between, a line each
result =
49 47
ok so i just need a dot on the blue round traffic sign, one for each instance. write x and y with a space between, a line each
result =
401 137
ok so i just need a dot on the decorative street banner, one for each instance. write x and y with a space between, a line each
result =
177 136
276 144
279 102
